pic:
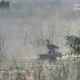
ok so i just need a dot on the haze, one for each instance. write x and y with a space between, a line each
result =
33 15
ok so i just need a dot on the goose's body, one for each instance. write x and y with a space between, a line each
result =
51 47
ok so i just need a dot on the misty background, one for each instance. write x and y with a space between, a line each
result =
30 16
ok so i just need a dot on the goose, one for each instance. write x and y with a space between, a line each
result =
51 47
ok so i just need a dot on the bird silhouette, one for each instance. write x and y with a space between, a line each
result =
51 47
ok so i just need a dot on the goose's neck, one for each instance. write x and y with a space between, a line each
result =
48 43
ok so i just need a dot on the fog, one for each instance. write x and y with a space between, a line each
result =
33 15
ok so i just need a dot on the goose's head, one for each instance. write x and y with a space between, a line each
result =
47 40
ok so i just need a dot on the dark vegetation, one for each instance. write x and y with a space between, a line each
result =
73 43
4 4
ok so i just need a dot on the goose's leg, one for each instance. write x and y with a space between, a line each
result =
49 53
53 52
56 53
